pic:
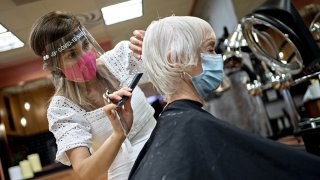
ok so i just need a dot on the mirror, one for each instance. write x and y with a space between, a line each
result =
266 38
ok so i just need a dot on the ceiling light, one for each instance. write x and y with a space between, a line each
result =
281 55
2 127
122 11
9 41
27 106
23 122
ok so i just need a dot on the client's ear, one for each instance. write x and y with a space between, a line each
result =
169 57
173 64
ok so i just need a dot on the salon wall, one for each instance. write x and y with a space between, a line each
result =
218 13
244 7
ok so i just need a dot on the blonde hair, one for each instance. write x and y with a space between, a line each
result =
180 37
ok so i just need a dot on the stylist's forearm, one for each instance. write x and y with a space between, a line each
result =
98 163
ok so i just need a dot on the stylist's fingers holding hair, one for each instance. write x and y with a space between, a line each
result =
136 43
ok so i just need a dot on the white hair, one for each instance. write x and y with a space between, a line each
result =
182 36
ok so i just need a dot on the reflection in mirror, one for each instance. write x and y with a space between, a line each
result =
311 17
315 28
234 43
271 45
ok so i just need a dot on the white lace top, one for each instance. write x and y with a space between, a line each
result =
73 127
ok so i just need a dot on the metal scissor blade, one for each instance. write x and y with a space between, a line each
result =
122 123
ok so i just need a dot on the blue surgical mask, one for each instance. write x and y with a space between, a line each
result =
212 73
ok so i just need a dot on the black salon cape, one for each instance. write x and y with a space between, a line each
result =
189 143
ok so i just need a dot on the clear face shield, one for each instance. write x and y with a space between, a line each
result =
74 58
75 55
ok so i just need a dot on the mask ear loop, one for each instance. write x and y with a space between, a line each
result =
57 65
190 83
183 75
58 71
187 79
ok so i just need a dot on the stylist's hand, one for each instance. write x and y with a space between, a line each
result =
136 43
125 111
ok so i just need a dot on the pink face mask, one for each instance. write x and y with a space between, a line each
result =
84 70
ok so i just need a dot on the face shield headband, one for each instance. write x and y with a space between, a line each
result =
59 46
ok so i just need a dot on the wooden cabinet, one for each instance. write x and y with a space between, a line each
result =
37 115
11 114
12 107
